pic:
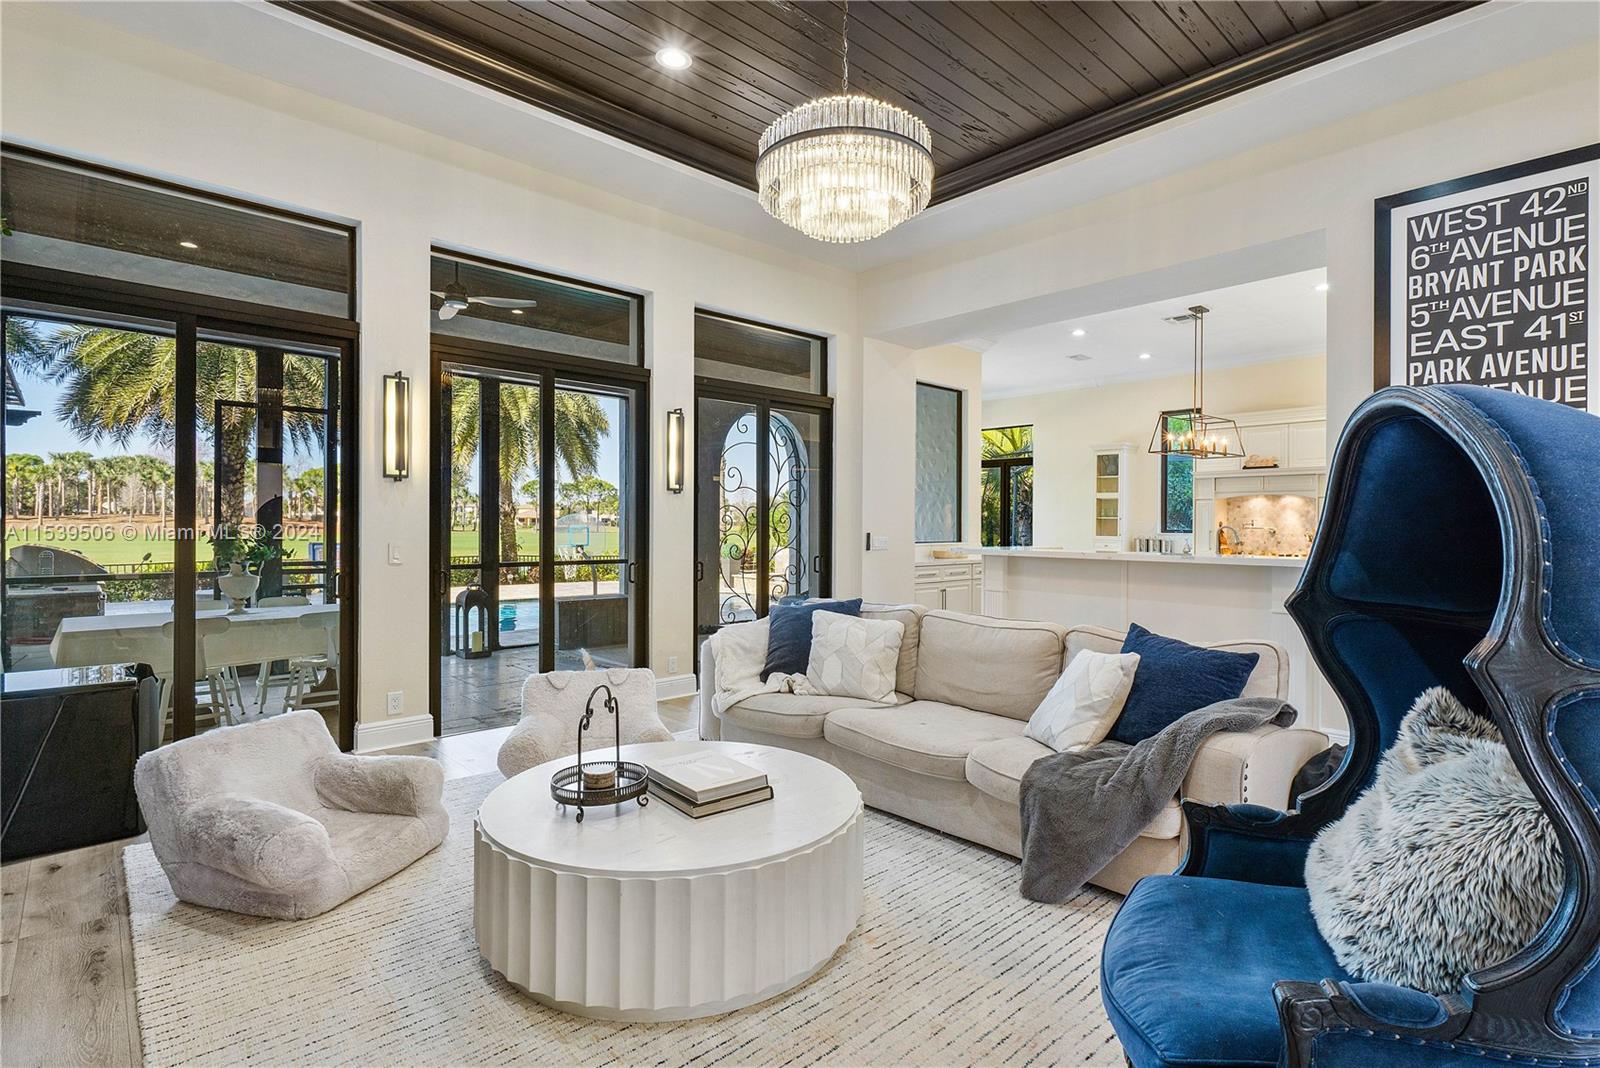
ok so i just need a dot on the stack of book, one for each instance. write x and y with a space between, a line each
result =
700 784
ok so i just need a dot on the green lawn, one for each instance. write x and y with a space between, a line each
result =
127 543
117 545
602 542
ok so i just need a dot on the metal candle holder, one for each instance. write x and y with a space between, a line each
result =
628 780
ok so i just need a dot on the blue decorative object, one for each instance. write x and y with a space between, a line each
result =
789 634
1460 546
1174 679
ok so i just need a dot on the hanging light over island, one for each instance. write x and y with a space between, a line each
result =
1191 432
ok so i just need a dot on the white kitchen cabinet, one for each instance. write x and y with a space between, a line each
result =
1297 437
1308 444
1271 440
954 585
1111 497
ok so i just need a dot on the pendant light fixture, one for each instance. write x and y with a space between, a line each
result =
847 167
1192 432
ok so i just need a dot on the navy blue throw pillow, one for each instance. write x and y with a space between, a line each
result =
1173 679
789 635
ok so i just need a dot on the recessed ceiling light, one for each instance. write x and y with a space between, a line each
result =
1321 287
516 311
187 244
1079 332
1144 355
674 58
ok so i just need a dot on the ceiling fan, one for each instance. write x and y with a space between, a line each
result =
457 299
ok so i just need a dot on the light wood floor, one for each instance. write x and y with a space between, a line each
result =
66 954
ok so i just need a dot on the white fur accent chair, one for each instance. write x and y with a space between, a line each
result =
552 707
270 819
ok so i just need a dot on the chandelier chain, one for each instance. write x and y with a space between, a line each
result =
844 34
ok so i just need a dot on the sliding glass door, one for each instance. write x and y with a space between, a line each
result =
173 509
539 527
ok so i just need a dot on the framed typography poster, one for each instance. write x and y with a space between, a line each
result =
1489 280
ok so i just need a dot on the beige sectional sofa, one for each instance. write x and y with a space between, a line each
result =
951 753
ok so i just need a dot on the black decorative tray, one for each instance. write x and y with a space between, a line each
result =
566 785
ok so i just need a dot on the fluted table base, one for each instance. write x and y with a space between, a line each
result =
667 947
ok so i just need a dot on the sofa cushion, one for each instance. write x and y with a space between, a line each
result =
789 634
792 715
1187 968
1174 679
908 616
854 657
928 737
997 768
1269 679
1001 666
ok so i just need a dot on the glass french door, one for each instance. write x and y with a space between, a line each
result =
539 530
174 509
762 505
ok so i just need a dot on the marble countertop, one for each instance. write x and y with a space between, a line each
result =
1029 553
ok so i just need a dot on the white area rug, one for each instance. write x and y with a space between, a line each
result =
950 966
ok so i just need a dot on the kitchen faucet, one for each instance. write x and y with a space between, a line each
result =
1224 528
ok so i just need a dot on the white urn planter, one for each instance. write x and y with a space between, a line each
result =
238 586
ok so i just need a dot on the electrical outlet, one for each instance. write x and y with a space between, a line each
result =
672 665
394 704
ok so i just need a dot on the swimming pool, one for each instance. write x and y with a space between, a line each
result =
519 615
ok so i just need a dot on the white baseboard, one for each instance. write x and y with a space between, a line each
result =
388 733
675 686
1338 736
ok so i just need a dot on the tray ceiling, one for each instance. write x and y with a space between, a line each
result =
1004 86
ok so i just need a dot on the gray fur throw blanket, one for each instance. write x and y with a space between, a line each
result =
1445 865
1080 808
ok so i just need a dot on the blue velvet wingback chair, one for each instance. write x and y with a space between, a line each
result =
1460 546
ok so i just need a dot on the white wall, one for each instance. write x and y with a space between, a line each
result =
1281 207
888 460
1069 424
85 89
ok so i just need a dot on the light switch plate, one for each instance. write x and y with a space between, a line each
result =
394 552
672 665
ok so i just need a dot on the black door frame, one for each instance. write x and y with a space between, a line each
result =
1005 465
763 400
548 369
48 293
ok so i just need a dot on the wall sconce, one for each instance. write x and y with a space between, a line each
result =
396 426
675 456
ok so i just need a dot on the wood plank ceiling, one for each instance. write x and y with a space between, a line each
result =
1003 86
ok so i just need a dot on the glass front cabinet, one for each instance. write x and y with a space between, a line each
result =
1111 497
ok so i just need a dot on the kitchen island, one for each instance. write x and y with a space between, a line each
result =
1200 599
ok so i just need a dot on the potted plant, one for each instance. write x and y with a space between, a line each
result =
239 553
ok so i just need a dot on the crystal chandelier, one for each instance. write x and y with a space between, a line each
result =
846 167
1191 432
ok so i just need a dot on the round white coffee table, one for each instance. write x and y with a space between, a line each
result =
647 914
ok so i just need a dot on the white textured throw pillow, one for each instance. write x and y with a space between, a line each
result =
1083 705
854 657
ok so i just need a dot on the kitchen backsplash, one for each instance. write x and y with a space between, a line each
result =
1269 524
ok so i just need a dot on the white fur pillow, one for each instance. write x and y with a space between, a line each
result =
1445 865
854 657
1083 705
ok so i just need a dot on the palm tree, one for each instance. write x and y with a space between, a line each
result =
24 476
69 469
155 479
121 385
580 424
